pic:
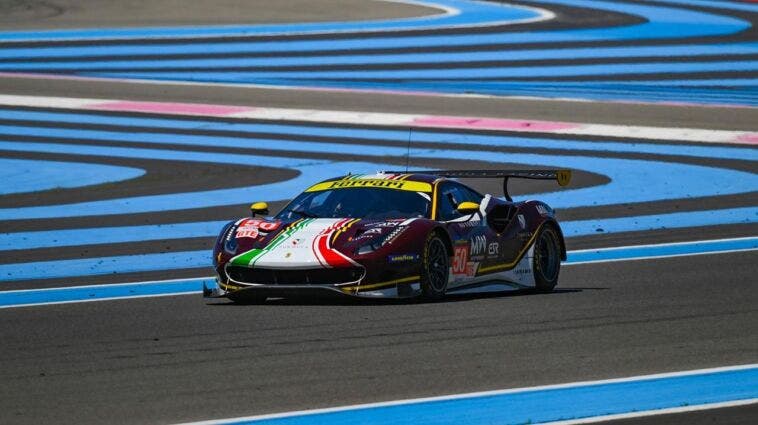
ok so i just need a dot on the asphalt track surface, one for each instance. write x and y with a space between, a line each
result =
172 359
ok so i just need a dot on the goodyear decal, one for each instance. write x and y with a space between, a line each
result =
412 186
403 258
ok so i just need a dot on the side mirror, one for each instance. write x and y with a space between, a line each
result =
259 208
468 207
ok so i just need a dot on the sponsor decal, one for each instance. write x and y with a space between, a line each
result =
369 233
472 223
402 258
247 232
250 228
460 258
522 221
413 186
493 249
394 223
471 269
542 210
478 245
524 235
268 226
522 272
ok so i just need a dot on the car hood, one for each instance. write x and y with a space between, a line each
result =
303 244
309 243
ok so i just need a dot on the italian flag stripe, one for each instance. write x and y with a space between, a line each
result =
250 257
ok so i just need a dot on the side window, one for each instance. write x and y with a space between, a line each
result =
471 196
449 196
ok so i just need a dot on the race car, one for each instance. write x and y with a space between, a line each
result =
392 235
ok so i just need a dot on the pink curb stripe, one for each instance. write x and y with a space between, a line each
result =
493 124
748 138
388 119
172 108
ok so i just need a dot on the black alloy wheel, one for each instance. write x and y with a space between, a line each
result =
435 268
547 259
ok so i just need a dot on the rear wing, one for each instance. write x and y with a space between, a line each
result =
563 177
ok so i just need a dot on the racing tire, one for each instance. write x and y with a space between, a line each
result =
547 258
435 268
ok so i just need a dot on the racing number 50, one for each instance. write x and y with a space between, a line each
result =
460 259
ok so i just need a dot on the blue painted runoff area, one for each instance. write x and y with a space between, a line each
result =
670 20
714 94
433 59
626 175
108 235
662 250
538 405
452 13
106 265
26 175
640 223
724 5
661 22
100 292
310 171
446 73
124 234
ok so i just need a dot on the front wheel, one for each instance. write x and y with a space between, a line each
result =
435 268
547 258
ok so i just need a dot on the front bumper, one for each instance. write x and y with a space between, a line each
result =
393 290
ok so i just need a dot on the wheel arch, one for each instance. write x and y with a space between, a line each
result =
554 223
442 233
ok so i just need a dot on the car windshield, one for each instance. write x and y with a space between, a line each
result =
358 202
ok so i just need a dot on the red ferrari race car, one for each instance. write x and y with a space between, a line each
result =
395 235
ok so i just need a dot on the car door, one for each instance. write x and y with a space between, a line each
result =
474 241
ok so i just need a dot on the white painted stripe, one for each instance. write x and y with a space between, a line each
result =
645 413
408 120
656 133
478 394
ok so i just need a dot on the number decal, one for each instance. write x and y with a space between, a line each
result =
460 259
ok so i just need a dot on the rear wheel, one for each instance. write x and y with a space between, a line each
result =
435 268
547 258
